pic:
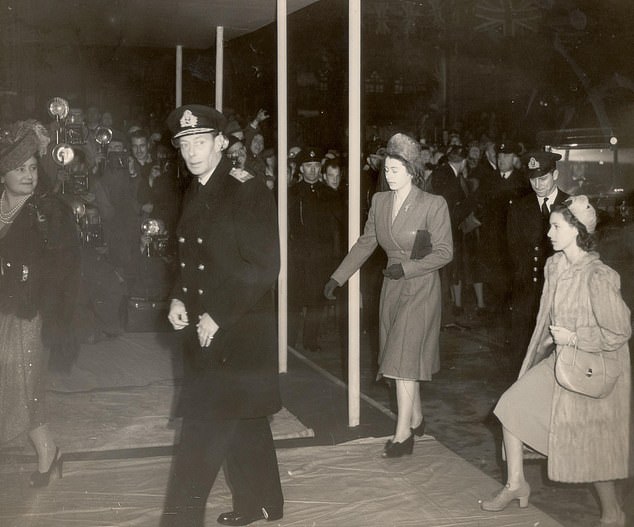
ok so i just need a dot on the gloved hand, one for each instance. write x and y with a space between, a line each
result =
394 271
329 289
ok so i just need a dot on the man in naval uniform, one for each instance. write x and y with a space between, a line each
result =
527 226
222 303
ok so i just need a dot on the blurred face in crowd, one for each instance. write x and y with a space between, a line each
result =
425 155
257 144
396 174
333 177
505 162
201 152
21 181
107 120
92 116
238 154
489 152
474 156
311 171
545 185
140 149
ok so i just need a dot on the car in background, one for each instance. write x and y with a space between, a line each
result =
600 164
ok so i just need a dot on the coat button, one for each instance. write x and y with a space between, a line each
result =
181 239
184 289
534 279
200 291
536 248
182 264
535 269
201 267
535 258
199 240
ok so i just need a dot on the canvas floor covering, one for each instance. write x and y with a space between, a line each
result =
343 485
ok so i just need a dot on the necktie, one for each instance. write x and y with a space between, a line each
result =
545 211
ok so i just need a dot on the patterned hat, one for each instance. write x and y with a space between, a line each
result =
195 119
539 163
581 209
19 141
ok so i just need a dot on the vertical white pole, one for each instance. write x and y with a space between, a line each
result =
219 66
354 213
282 187
179 76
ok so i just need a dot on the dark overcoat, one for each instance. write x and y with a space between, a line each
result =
494 196
228 248
529 247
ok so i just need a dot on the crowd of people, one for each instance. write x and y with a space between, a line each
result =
486 215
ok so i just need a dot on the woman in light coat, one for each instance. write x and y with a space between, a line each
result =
414 229
586 439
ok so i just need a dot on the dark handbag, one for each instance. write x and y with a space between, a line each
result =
590 374
422 245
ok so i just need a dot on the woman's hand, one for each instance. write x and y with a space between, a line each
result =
206 329
394 272
563 336
329 289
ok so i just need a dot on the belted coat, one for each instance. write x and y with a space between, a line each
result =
228 248
410 306
589 438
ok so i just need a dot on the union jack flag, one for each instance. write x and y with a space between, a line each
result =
508 17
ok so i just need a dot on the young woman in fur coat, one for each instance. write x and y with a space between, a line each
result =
586 439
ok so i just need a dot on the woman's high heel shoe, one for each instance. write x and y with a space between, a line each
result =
42 479
420 429
506 496
396 449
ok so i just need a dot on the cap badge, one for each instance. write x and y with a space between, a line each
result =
188 119
533 164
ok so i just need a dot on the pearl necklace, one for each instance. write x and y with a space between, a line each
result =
7 217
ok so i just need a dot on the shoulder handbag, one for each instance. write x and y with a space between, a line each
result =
591 374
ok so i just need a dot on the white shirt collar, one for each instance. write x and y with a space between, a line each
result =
551 199
203 179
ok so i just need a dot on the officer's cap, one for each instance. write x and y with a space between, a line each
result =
508 147
195 119
539 163
310 155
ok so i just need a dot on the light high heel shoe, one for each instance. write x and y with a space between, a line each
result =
502 499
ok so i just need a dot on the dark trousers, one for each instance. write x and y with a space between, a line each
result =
245 446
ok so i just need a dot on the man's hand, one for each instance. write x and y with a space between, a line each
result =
262 115
329 289
206 329
394 272
178 314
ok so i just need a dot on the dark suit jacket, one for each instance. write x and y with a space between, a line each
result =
229 261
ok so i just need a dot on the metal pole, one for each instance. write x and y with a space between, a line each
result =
354 213
282 187
219 66
179 75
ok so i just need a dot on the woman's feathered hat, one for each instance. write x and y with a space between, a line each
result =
21 140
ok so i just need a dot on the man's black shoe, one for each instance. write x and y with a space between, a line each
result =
245 518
